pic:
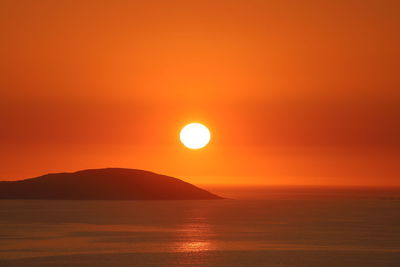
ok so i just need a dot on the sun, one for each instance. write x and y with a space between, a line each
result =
195 135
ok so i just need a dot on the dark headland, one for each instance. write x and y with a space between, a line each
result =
103 184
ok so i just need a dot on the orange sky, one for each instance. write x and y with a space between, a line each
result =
294 92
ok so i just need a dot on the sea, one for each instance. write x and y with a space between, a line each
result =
253 226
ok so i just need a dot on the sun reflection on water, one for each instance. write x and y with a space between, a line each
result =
196 235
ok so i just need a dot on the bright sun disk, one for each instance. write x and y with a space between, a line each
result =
195 135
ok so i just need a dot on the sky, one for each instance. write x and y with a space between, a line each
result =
293 92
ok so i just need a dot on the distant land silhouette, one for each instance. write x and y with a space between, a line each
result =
103 184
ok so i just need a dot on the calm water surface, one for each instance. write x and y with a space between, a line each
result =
257 227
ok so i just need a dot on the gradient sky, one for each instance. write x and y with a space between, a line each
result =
294 92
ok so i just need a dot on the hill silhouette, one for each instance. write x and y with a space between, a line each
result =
103 184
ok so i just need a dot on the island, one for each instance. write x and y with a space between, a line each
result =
104 184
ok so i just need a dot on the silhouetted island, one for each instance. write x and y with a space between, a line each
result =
103 184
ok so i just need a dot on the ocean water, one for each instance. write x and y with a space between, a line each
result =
271 226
